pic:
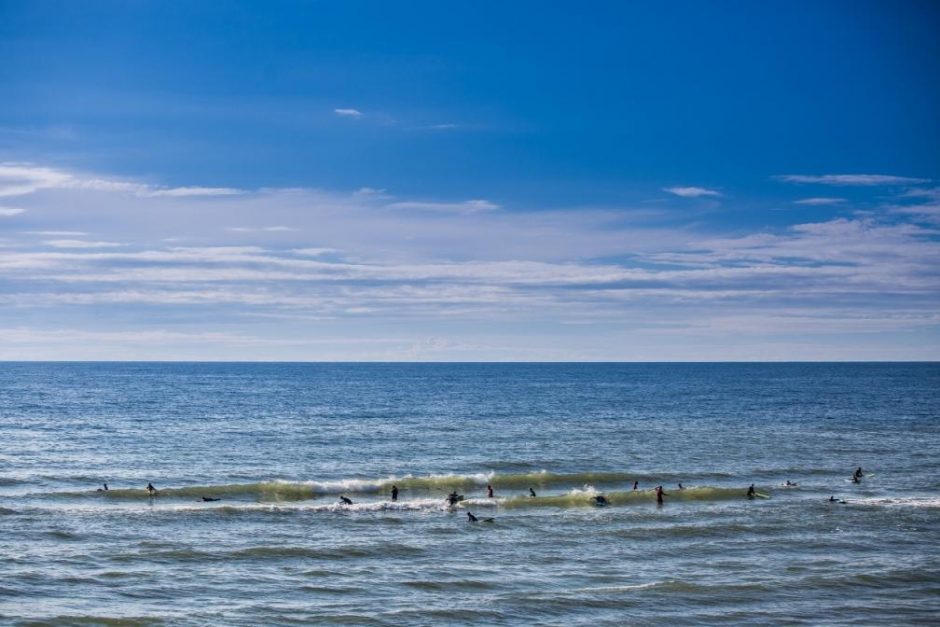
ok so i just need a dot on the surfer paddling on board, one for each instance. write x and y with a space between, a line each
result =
473 519
345 500
660 494
833 499
209 499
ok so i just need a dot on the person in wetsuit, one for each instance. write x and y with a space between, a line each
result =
345 500
150 489
394 492
636 485
531 492
453 498
207 499
600 500
489 491
751 493
660 494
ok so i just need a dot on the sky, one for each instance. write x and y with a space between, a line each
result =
470 181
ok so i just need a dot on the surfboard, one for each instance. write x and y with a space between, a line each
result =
762 495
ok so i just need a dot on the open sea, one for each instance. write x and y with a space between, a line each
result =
278 444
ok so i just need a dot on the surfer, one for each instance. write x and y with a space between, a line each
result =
150 489
636 485
751 493
489 491
660 494
209 499
600 500
790 484
531 492
856 479
833 499
105 489
394 492
345 499
453 498
858 472
473 519
680 487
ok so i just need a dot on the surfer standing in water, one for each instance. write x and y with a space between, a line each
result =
857 475
751 493
531 492
636 485
394 492
150 489
489 491
660 494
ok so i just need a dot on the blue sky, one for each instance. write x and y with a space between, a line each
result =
469 181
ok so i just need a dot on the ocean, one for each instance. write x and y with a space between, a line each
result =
278 444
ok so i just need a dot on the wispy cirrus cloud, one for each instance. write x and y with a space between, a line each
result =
467 206
21 179
78 243
368 258
819 201
348 113
850 179
691 192
7 212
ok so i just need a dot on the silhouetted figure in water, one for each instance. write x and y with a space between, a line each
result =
636 485
209 499
855 479
751 493
531 492
473 519
104 489
680 487
600 500
345 500
833 499
858 474
660 494
789 484
394 492
150 489
489 491
453 498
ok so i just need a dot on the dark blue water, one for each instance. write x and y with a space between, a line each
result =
279 443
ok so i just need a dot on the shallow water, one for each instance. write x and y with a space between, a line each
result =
279 443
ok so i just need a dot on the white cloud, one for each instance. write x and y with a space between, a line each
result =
7 212
59 233
349 113
819 201
691 192
77 243
357 256
196 191
468 206
851 179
